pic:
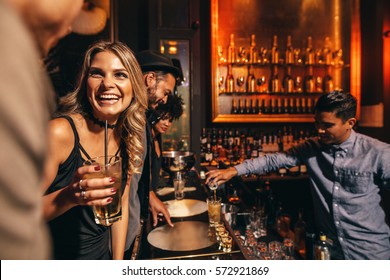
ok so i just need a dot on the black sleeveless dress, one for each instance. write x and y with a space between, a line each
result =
75 234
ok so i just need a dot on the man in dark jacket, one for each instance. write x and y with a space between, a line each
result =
160 76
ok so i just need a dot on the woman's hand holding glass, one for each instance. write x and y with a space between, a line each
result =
92 192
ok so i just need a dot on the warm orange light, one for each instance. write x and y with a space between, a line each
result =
172 50
386 60
214 63
355 82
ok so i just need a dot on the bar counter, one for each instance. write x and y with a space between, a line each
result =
238 229
194 191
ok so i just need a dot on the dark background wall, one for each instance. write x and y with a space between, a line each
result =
138 26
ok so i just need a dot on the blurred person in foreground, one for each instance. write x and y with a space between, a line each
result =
159 77
347 171
110 88
28 30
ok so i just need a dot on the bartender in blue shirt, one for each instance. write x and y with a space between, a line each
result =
347 171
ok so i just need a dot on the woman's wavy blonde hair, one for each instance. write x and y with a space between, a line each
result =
132 122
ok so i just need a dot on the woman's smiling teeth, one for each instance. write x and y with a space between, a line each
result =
108 97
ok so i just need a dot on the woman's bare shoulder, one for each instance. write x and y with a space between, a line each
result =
60 130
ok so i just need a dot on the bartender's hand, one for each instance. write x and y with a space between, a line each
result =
158 209
220 176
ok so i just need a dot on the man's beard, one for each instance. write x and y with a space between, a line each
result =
152 98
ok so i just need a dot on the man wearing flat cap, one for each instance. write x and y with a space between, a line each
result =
160 76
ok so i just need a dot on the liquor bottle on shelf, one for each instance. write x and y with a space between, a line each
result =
229 152
229 80
275 51
289 54
303 106
214 139
270 204
319 84
309 106
309 54
292 106
231 53
327 52
234 107
328 84
233 196
274 83
249 148
265 143
239 106
255 146
255 108
230 137
243 106
273 106
309 80
321 249
255 140
299 234
288 81
225 142
237 138
286 106
249 138
261 84
266 106
298 84
220 137
236 149
242 151
298 108
252 50
203 136
260 109
250 81
309 243
203 145
280 106
260 151
249 107
209 153
215 150
318 57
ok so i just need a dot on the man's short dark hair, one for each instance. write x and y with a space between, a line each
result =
342 104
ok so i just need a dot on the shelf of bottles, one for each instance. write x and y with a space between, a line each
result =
275 85
232 146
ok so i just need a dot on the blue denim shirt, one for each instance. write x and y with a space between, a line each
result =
345 181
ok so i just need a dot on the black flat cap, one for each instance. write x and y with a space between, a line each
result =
151 60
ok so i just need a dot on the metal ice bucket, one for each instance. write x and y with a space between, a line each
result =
177 161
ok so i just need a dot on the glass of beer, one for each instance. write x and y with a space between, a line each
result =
214 209
110 167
